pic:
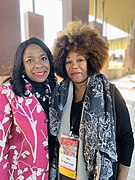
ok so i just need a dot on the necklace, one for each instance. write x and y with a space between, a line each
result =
38 95
35 89
45 94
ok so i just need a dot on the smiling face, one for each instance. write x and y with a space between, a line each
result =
76 67
36 63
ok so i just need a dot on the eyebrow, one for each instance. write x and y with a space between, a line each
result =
44 54
77 56
30 56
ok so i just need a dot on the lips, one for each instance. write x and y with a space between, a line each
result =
39 73
75 73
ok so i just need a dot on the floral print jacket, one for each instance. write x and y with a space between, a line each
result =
23 136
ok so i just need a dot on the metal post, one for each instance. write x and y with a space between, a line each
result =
33 4
95 10
103 9
103 4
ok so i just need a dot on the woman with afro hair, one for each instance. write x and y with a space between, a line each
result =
89 118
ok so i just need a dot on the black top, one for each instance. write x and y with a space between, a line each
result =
75 116
40 88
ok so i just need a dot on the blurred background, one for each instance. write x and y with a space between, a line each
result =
114 19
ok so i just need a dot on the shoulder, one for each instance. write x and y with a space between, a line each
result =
120 101
117 94
6 85
119 104
6 88
60 87
60 93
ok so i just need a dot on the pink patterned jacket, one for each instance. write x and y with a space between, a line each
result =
23 136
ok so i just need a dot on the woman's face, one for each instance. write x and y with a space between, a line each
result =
36 63
76 67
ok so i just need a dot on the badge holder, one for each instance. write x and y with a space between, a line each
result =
68 156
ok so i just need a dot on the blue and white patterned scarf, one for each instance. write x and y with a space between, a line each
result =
97 125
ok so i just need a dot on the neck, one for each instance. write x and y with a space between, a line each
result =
34 83
81 85
80 90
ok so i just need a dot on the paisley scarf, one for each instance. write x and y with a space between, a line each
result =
97 125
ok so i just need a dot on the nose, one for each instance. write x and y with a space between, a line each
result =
74 64
38 64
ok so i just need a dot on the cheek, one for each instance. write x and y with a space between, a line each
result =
85 69
67 70
49 67
46 64
27 69
49 70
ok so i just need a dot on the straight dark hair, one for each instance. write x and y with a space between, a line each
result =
17 80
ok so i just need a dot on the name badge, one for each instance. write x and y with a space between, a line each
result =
68 156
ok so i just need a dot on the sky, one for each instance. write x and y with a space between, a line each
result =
52 17
52 12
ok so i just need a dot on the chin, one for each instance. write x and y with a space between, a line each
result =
40 80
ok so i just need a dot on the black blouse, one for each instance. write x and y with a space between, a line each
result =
75 116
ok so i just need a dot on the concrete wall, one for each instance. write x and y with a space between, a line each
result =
10 33
73 9
34 25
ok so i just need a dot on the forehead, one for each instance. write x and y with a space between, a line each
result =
33 49
75 53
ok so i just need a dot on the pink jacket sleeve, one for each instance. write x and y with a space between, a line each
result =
5 127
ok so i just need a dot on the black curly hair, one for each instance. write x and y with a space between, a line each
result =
16 78
82 38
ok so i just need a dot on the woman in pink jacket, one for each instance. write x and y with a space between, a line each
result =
24 101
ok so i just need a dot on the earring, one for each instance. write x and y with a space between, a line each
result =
23 74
